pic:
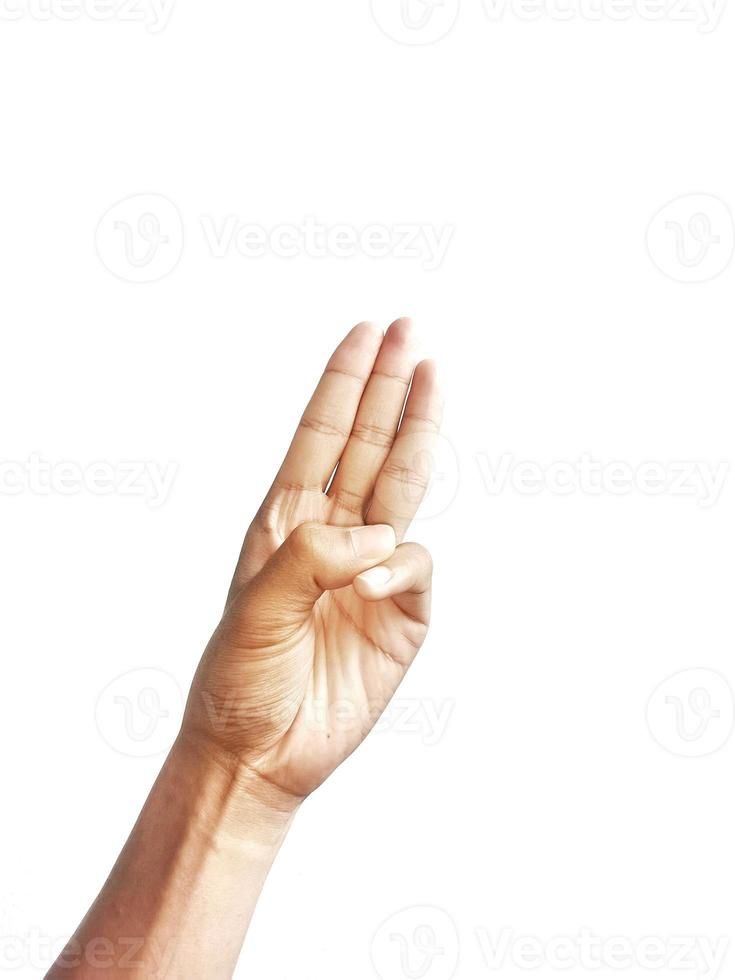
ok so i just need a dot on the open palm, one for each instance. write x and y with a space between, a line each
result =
327 607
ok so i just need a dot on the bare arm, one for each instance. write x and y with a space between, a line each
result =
180 897
327 609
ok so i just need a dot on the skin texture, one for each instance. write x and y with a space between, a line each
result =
295 676
327 609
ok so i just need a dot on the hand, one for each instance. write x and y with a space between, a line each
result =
327 608
326 612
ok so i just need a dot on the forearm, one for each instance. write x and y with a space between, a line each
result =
180 898
328 609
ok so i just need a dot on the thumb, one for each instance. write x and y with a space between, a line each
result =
313 559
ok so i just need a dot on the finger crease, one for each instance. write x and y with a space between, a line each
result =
324 427
413 619
346 374
374 435
431 424
391 377
348 505
290 487
403 474
359 630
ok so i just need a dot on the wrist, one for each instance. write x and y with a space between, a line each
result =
193 866
236 804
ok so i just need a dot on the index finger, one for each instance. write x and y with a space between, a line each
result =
327 421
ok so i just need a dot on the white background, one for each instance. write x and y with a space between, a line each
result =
555 798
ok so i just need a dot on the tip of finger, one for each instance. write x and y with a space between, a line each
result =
400 350
402 323
427 372
366 330
403 331
357 351
374 580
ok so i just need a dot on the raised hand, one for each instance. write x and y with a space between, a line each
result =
326 612
328 607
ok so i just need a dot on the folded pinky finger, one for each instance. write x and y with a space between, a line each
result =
405 577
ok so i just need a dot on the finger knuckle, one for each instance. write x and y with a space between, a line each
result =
303 541
373 434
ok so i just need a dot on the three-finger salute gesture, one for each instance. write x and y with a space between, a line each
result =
327 609
328 606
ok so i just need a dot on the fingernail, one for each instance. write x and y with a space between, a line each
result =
374 541
376 577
